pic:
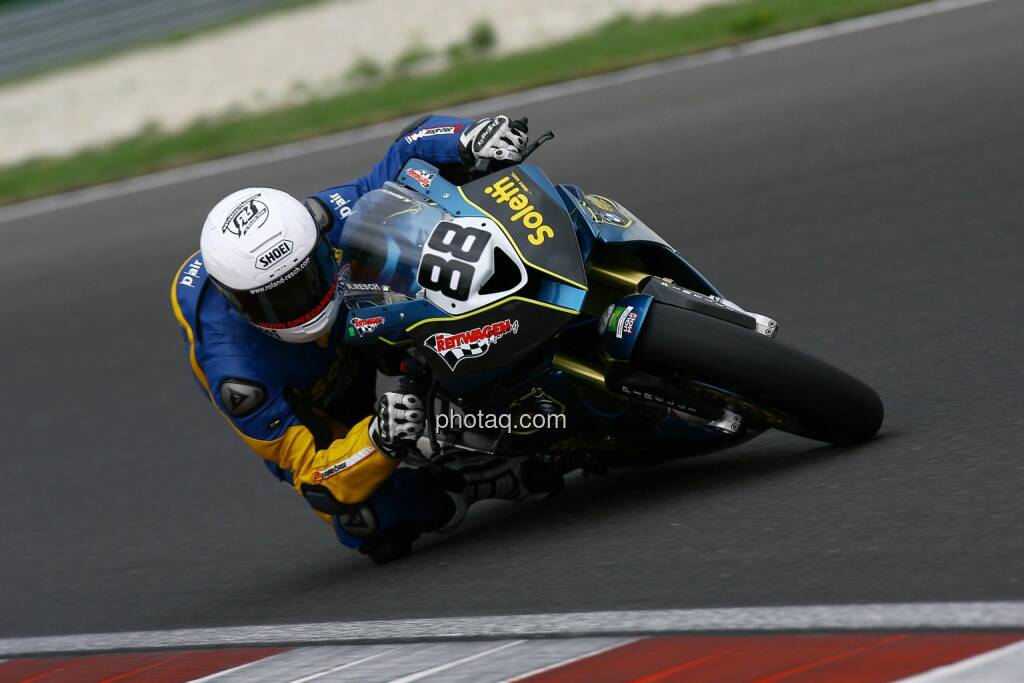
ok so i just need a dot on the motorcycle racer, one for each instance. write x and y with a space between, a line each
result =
261 315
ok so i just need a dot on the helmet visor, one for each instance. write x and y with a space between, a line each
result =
296 297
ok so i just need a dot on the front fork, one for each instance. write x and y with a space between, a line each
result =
619 329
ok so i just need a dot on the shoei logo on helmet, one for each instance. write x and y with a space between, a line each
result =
274 254
249 215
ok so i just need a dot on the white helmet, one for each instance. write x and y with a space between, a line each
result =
264 252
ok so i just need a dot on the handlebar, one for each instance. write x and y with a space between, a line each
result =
541 139
483 166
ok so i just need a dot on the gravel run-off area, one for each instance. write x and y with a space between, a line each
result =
269 62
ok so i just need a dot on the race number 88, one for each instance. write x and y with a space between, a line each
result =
452 276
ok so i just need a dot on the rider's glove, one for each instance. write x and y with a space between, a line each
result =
398 422
494 138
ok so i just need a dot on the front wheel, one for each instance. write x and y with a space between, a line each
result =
769 383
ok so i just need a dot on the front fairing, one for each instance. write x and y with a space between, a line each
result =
447 278
604 225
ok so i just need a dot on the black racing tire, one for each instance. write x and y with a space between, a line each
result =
817 400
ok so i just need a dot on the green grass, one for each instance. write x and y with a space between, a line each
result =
621 43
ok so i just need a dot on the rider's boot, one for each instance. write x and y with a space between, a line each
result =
518 479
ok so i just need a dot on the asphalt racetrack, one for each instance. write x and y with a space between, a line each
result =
866 190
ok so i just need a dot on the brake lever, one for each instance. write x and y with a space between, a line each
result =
532 147
483 165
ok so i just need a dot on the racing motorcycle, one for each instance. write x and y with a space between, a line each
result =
506 294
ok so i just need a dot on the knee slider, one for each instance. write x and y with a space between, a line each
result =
359 520
321 499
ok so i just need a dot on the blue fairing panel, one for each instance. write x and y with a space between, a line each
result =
425 179
560 294
606 219
602 220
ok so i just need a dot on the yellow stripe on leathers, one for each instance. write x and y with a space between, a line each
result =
296 450
180 317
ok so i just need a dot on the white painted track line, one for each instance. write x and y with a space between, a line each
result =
452 662
233 671
342 667
313 663
1005 665
953 615
502 103
570 660
537 656
420 675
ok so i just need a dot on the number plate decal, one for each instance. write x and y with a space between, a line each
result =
460 259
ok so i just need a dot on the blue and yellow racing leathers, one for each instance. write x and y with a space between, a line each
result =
303 408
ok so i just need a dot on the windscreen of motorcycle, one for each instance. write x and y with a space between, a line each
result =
457 263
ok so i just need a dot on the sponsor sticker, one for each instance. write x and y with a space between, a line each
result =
189 273
331 470
251 214
604 210
712 299
657 398
489 131
341 205
453 347
420 176
399 197
621 322
283 279
431 132
612 323
514 192
271 256
366 326
628 321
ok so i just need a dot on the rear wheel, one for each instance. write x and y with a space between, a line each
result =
769 383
